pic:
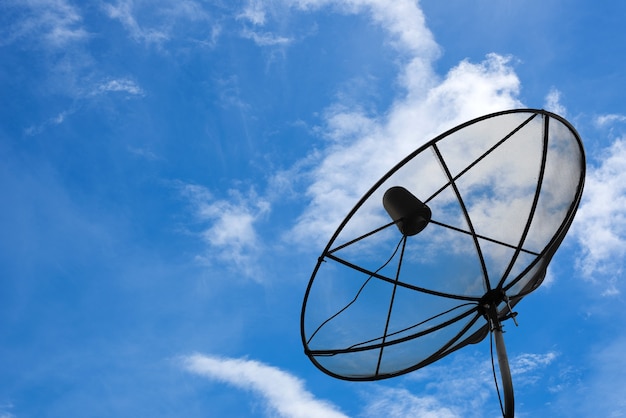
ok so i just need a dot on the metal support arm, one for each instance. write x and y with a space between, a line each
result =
505 372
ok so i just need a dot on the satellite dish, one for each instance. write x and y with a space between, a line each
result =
438 252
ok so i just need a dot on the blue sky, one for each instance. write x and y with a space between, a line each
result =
171 170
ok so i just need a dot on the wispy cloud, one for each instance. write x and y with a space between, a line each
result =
211 41
283 393
266 38
606 120
403 20
553 102
400 403
527 368
254 12
123 85
231 233
464 388
122 11
604 378
465 383
144 153
449 383
54 23
528 362
55 120
600 224
230 94
158 22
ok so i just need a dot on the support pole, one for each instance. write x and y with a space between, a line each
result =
505 371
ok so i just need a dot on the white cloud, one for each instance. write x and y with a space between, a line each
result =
465 382
526 363
449 383
120 85
600 224
211 41
56 23
187 10
526 368
553 102
254 12
403 19
231 235
464 388
123 12
605 120
364 148
55 120
284 393
266 38
163 20
400 403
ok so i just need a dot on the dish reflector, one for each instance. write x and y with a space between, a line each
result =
480 210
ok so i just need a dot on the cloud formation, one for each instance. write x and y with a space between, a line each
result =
364 148
124 85
449 383
231 234
604 120
266 38
122 11
55 23
446 394
600 225
283 393
553 102
528 362
403 20
155 24
400 403
56 120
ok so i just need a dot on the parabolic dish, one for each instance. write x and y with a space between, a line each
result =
502 189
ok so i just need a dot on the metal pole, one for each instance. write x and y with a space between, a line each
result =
505 371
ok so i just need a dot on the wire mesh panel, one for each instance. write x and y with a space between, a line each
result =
502 191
